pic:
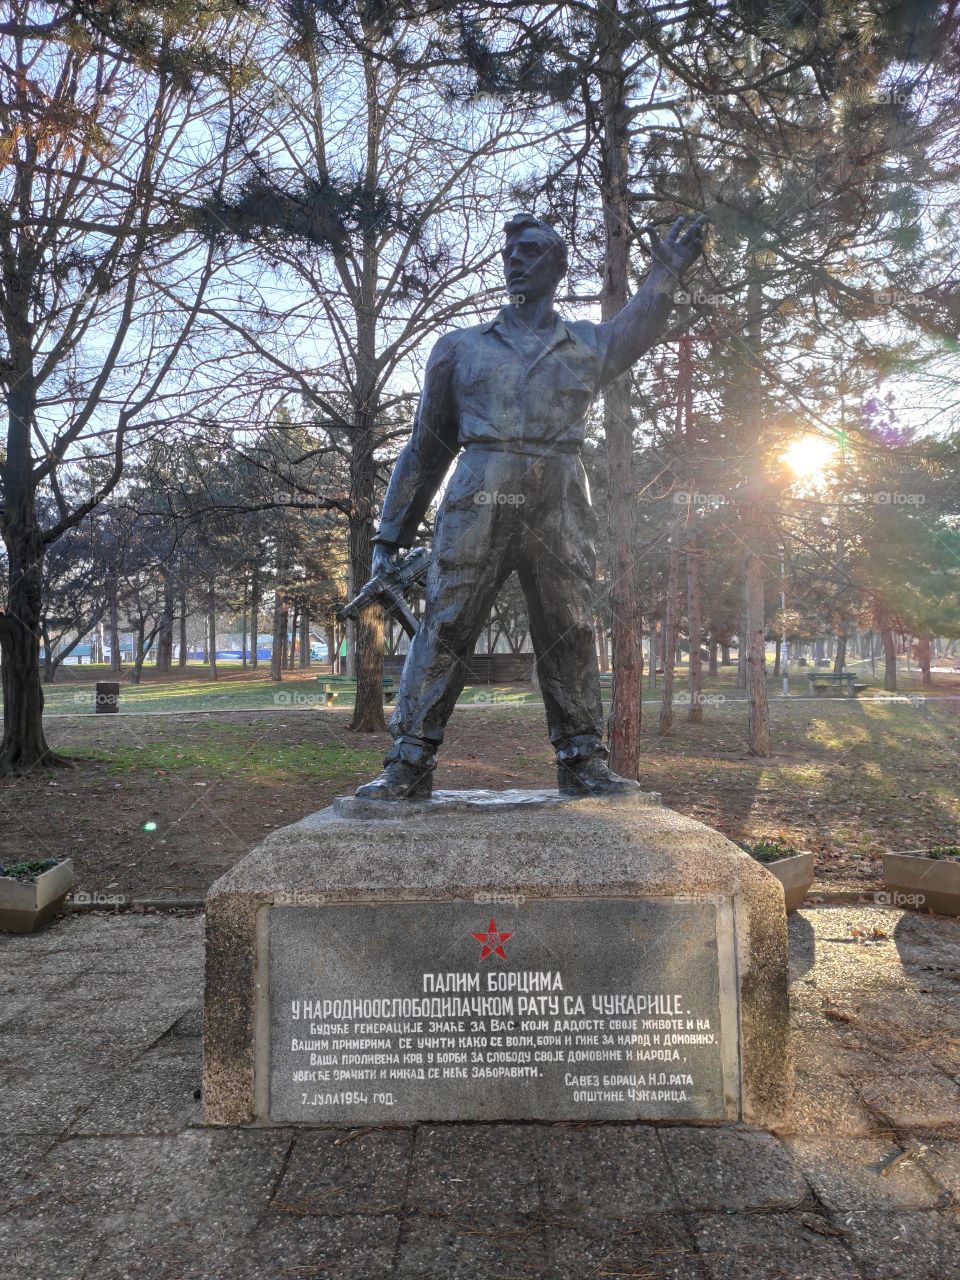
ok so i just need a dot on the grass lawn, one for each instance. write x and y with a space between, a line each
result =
162 804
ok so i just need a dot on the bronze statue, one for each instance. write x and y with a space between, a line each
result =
511 397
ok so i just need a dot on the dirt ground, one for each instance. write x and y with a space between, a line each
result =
174 800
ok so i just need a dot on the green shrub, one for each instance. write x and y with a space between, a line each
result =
28 870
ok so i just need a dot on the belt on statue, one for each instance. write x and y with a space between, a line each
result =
536 449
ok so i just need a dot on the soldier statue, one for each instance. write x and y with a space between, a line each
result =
511 398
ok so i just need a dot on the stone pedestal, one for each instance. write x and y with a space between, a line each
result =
484 956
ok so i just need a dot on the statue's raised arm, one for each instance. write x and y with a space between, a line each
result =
636 328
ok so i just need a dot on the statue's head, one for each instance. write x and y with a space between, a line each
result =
534 257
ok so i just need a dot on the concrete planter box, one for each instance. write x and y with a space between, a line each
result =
27 904
928 884
796 876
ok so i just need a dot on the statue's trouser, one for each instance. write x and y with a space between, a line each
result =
503 511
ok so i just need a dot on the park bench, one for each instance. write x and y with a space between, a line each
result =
330 686
842 682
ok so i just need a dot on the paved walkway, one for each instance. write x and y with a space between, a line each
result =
105 1172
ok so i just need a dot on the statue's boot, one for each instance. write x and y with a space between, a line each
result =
581 771
407 775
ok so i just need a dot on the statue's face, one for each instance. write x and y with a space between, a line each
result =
529 265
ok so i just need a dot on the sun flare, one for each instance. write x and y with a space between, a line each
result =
809 456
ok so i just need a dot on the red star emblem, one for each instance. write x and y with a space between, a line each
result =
492 940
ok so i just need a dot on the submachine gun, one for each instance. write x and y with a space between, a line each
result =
391 588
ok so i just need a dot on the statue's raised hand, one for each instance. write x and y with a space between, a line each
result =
680 248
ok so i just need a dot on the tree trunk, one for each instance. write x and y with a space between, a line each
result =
755 515
724 655
164 658
368 628
23 746
140 651
889 654
695 681
670 633
182 658
742 655
115 663
279 627
212 628
776 658
625 607
243 634
304 638
758 716
653 644
712 668
255 616
291 652
841 653
923 643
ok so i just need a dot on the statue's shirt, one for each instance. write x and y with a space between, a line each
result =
494 384
508 384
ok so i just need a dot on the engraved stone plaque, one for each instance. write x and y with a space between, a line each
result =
508 1009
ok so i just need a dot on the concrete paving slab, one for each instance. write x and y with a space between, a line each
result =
20 1157
905 1245
153 1095
189 1024
613 1172
732 1170
863 1173
837 1052
829 1104
46 1087
206 1185
476 1172
772 1246
133 1022
941 1160
345 1171
433 1250
658 1247
319 1248
80 1200
913 1102
62 1249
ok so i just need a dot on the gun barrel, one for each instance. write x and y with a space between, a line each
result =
369 595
